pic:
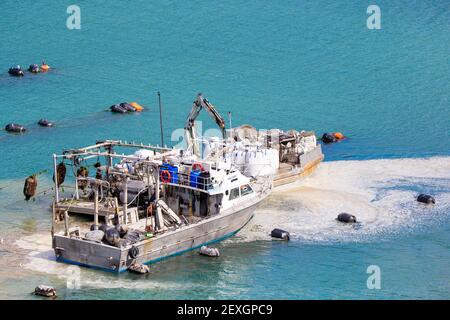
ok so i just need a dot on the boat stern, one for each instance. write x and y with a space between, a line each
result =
89 254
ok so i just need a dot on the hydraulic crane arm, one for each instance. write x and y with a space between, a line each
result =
199 104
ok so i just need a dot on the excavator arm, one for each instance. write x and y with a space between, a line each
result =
199 104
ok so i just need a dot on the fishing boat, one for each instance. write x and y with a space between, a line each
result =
179 205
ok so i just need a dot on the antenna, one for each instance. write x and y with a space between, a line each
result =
229 117
160 119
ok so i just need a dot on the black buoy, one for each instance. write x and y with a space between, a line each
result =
280 234
33 68
60 173
328 137
112 236
117 109
15 128
102 227
16 71
128 107
29 188
426 198
346 218
45 123
123 231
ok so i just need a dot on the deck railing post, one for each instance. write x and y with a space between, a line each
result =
66 222
56 178
77 195
149 192
125 199
53 217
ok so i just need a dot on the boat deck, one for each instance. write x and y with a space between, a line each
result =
105 211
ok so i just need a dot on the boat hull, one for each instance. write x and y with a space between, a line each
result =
98 255
308 163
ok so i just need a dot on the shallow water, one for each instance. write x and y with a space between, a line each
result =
297 64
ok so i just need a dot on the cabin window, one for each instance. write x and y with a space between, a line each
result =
234 193
246 189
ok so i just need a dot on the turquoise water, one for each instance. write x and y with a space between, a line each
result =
292 64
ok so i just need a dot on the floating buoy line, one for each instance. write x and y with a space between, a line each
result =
17 71
332 137
124 107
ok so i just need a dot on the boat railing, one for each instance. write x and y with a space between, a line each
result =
193 180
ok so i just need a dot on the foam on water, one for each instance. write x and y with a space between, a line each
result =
380 193
40 257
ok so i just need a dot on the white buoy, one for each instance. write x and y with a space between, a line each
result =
139 268
210 252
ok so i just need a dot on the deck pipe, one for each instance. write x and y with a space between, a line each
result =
159 219
95 206
56 179
125 199
77 195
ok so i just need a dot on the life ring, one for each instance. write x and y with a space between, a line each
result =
165 176
198 166
134 252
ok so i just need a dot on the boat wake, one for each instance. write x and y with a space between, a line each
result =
380 193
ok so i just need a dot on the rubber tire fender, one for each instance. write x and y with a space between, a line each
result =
134 252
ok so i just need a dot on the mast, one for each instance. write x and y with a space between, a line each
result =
160 119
